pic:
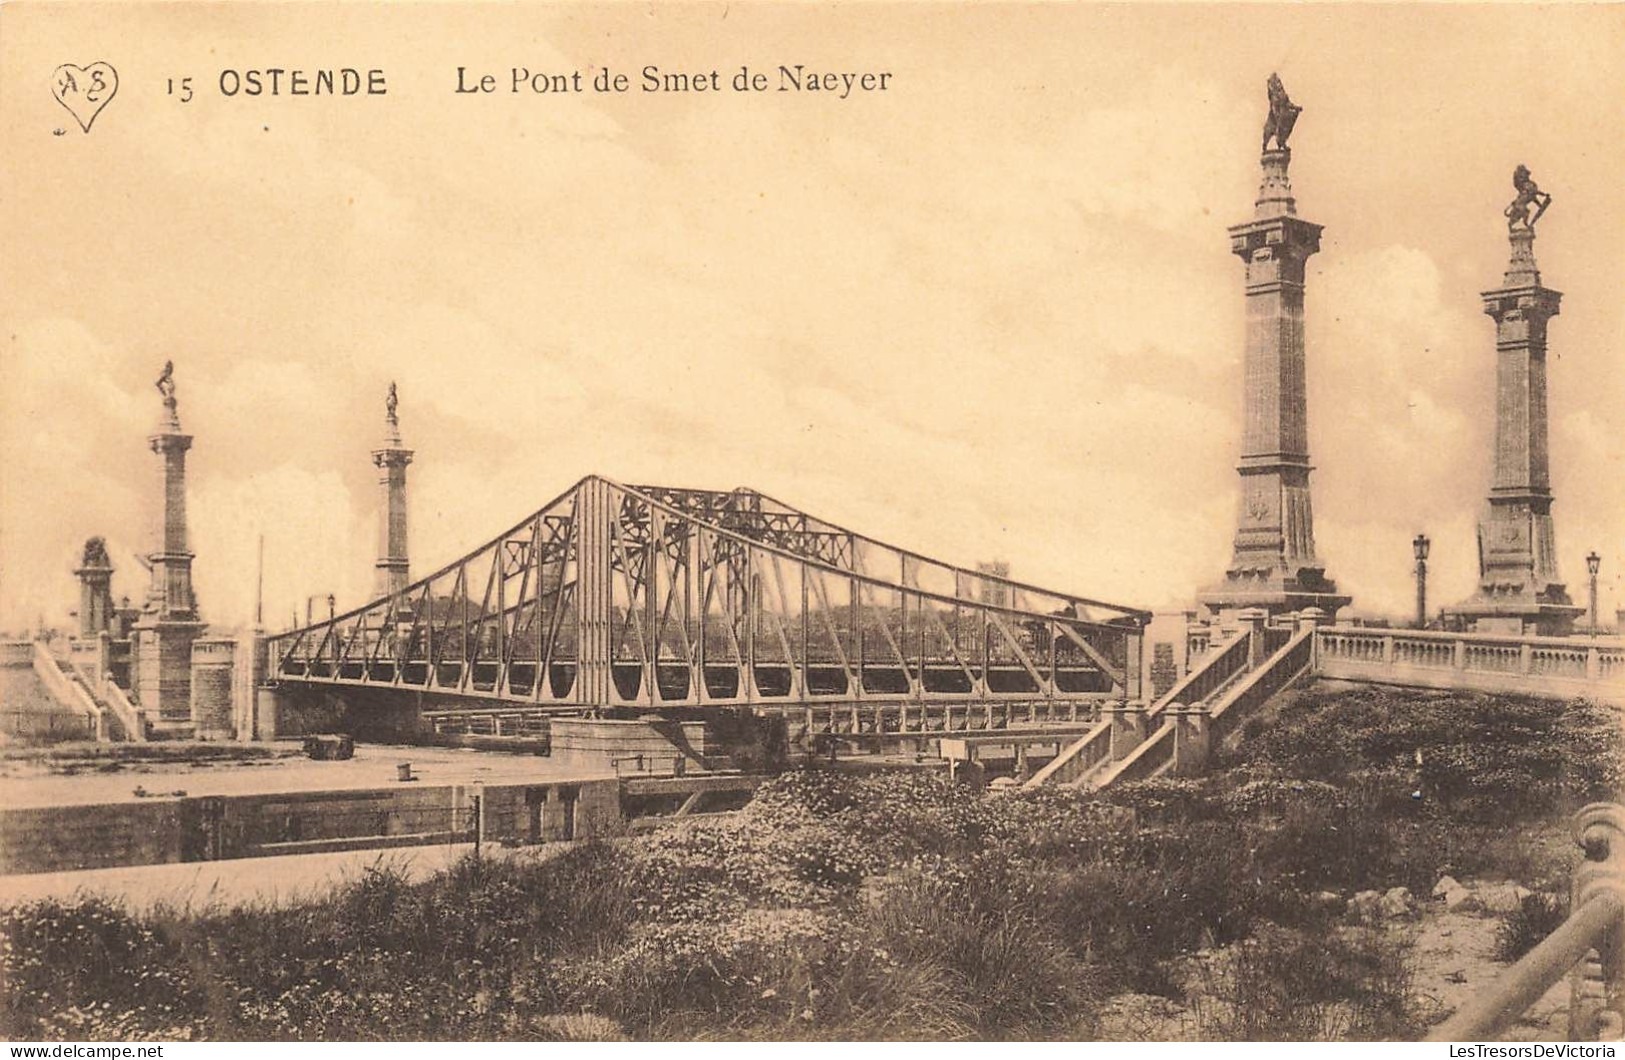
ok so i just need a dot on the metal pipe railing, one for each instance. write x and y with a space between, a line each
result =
1596 923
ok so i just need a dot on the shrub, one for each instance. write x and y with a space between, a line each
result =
1521 930
87 964
1158 896
1170 801
1284 985
979 929
1484 758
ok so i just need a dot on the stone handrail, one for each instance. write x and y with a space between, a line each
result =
69 694
1290 660
135 727
1597 922
1488 662
1076 759
1207 676
1145 761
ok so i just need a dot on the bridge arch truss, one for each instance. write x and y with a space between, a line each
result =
663 598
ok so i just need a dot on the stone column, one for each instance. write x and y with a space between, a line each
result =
393 566
1274 565
1519 588
162 663
95 575
172 563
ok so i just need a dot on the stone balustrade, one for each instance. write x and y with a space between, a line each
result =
1551 666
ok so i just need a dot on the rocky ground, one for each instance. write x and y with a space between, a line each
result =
1453 940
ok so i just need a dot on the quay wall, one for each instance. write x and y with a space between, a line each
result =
169 829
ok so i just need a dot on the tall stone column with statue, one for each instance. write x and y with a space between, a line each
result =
391 458
1274 565
163 636
1519 588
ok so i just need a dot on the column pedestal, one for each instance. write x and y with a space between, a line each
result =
162 678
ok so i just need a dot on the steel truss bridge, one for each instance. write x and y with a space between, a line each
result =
656 598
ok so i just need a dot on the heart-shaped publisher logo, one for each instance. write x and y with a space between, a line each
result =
84 90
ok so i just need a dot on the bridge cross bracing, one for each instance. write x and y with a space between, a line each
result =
666 598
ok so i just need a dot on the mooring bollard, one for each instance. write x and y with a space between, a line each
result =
404 771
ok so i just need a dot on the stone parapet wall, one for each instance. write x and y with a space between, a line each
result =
16 653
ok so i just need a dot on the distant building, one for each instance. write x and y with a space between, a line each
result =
993 592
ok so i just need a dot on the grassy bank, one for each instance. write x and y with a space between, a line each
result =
888 906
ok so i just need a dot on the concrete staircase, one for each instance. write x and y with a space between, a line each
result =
113 716
1175 734
69 692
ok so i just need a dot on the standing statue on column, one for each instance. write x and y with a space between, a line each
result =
166 384
390 404
1283 114
1529 195
95 552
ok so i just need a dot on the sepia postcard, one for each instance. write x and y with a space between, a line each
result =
695 522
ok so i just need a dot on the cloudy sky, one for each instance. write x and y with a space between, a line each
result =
988 313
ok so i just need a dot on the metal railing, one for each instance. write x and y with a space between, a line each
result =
18 653
1596 923
47 727
650 763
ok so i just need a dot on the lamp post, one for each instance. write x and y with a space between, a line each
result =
1593 563
330 607
1420 546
